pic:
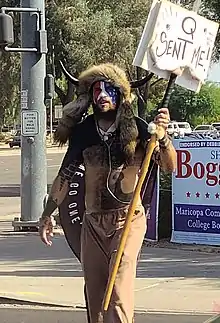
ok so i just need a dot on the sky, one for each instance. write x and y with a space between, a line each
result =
214 73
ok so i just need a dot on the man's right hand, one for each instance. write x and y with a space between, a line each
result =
46 229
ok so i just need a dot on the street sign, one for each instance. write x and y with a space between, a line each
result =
58 111
29 123
24 99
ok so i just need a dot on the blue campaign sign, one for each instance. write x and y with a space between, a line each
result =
196 192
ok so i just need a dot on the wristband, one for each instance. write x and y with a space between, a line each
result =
164 142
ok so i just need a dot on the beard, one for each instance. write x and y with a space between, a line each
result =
107 111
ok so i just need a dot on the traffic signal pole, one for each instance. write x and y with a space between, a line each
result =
33 117
33 111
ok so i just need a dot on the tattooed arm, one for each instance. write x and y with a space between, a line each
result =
59 189
165 154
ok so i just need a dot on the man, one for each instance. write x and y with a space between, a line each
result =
111 144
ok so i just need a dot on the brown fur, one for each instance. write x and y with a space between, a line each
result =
105 72
73 112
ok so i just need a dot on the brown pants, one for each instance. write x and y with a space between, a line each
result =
100 239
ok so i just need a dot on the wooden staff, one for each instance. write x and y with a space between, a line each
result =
132 207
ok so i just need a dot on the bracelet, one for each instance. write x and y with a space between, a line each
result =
164 142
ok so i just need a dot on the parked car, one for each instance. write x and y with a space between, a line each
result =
15 140
206 130
172 128
184 127
179 128
216 124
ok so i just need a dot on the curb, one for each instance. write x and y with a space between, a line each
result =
13 301
184 247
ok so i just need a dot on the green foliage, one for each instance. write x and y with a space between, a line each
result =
82 33
10 75
203 107
9 86
211 10
2 136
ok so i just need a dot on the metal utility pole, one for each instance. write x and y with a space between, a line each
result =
33 111
33 116
51 119
51 99
49 94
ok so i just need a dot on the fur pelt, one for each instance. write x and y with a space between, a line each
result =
125 120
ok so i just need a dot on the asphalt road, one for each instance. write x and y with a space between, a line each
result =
10 166
33 315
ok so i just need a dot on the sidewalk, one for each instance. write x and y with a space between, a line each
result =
168 280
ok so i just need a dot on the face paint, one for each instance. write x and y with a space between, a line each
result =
102 90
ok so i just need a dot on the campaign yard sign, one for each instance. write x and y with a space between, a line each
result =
179 41
196 192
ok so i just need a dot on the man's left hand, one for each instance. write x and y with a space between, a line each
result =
163 118
46 229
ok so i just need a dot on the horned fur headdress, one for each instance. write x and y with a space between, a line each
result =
73 112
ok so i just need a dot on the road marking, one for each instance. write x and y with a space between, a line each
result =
29 293
162 281
51 166
147 287
20 293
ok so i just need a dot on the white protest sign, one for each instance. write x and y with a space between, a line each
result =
177 40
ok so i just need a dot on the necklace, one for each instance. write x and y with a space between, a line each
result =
106 134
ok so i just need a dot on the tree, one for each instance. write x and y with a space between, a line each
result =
211 9
107 33
203 107
9 86
96 34
82 33
10 74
